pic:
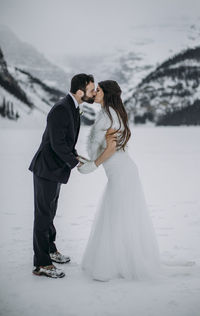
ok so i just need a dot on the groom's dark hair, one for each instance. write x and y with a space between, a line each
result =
80 81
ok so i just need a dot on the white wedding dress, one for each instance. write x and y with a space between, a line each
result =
122 241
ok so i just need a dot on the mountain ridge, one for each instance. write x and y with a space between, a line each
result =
171 87
24 56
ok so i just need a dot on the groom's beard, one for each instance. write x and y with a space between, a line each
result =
87 99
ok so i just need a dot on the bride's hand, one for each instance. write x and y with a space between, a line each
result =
87 167
111 139
82 159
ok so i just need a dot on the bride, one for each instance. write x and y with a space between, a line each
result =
122 242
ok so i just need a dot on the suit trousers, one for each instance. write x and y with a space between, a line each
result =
46 194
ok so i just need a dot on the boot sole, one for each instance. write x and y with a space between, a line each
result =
61 262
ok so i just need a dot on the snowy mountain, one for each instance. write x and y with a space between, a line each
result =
21 94
130 66
8 82
132 60
121 66
9 90
169 95
42 96
24 96
24 56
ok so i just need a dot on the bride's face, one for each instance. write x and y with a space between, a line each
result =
99 95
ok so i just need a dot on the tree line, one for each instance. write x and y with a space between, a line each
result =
7 110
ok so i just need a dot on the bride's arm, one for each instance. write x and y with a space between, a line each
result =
110 148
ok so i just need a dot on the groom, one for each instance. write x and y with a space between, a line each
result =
51 166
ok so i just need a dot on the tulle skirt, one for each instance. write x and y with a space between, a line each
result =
122 242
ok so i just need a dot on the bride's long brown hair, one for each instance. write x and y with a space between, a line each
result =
112 98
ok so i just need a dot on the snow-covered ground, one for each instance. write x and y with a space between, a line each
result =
169 164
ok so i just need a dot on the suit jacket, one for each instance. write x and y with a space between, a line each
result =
56 155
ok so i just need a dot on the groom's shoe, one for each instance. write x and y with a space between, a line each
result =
50 271
59 258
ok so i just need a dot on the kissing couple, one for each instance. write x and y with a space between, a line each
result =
122 242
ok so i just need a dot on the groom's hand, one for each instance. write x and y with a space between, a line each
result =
82 159
80 164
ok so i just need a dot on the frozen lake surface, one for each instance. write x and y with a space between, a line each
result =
169 164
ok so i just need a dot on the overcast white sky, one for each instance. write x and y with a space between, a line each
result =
88 26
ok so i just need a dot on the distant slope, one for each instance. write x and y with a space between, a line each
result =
21 94
24 56
8 82
38 92
167 91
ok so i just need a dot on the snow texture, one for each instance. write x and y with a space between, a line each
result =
169 164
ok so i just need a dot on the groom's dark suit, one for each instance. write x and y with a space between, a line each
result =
52 166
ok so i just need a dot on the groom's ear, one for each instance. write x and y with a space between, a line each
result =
80 93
